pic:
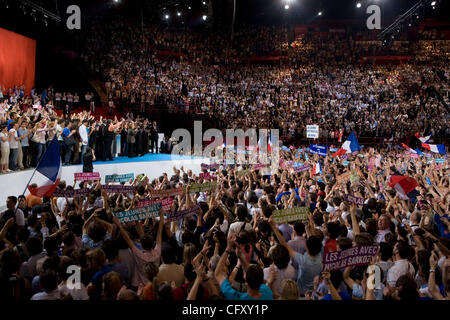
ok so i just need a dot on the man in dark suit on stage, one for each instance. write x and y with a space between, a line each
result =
154 130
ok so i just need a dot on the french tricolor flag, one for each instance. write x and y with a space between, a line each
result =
349 146
421 138
405 186
417 151
436 148
317 169
48 172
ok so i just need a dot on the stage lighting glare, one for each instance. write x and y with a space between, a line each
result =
358 5
286 7
116 1
204 3
178 13
320 13
189 8
433 3
204 17
166 17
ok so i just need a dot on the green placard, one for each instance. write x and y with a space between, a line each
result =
202 187
243 173
290 214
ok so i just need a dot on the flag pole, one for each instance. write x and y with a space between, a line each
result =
34 171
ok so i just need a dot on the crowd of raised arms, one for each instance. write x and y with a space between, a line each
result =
230 246
322 80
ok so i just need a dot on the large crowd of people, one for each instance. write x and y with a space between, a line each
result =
230 246
322 79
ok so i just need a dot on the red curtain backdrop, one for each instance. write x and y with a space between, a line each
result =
17 60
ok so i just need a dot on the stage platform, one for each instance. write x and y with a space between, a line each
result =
153 165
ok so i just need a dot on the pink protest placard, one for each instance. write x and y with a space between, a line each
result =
206 176
165 203
258 166
371 163
87 176
355 256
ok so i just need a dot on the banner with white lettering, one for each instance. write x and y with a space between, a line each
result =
352 257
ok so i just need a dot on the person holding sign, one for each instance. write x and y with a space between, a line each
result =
309 264
151 251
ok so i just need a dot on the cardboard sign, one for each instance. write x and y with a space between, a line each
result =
312 131
177 215
302 168
139 213
109 188
203 187
371 164
320 150
358 201
70 193
119 177
206 176
352 257
258 166
290 214
166 193
141 177
86 176
242 173
165 203
354 176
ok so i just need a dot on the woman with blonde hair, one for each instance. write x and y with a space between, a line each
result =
112 283
289 290
189 253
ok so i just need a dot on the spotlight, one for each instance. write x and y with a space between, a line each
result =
189 8
358 5
116 1
433 4
320 13
204 3
204 17
286 7
179 14
166 17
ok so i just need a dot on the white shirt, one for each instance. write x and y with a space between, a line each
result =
236 227
54 295
77 294
289 273
20 218
400 268
83 134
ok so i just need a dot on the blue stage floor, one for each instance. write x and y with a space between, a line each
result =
148 157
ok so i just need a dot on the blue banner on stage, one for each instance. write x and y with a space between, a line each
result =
321 150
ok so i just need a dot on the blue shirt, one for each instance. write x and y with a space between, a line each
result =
308 268
232 294
344 296
65 132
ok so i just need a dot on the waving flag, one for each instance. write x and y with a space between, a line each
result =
421 138
350 145
317 169
417 151
341 132
48 172
436 148
405 186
